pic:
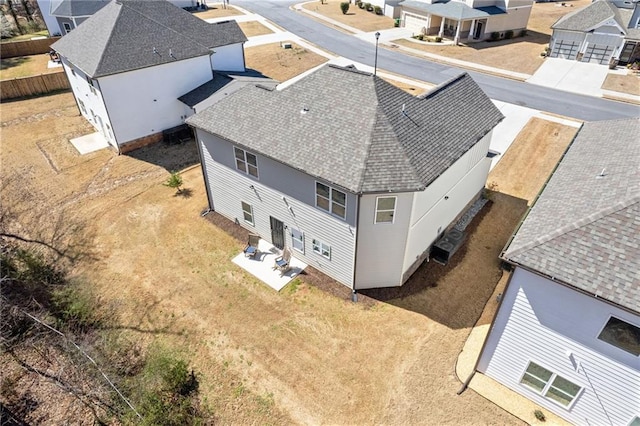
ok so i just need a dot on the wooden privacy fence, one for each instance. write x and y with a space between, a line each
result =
35 85
26 47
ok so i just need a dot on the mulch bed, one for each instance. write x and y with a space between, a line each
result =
426 276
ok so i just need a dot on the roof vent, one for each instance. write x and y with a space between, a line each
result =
304 110
156 51
171 54
602 174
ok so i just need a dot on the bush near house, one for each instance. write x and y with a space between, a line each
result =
344 6
377 10
508 34
360 5
495 36
368 7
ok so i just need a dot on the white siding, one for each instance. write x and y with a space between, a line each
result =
46 6
227 188
516 18
228 58
432 213
92 100
542 321
381 246
145 101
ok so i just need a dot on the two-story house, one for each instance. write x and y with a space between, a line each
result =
358 177
567 332
470 20
130 62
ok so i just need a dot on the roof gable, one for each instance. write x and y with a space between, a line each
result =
584 228
127 35
76 8
356 130
591 17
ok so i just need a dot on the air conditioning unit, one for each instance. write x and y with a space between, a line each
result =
445 247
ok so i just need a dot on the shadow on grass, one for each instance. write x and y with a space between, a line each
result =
171 157
531 37
184 193
5 64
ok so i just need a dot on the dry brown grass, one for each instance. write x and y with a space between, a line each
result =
254 28
356 17
25 66
281 64
520 54
217 11
629 83
531 158
413 89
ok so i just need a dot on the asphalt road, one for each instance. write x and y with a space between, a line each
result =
582 107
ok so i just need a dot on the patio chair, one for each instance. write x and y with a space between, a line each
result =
283 263
251 250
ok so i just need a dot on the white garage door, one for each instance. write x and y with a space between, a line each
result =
415 23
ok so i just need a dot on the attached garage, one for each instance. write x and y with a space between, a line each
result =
416 23
565 49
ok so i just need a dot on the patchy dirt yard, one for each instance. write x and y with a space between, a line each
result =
520 54
629 83
281 64
355 17
24 66
254 28
299 356
217 11
531 158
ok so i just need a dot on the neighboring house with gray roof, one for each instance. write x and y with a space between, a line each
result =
130 62
600 33
567 332
358 177
468 20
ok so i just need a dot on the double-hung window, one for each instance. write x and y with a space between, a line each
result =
246 162
297 240
321 248
550 385
247 213
331 200
385 209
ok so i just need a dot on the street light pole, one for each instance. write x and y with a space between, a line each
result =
375 63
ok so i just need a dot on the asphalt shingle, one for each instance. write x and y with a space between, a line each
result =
356 130
584 229
127 35
75 8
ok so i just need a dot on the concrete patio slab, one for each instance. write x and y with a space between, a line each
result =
571 76
89 143
262 266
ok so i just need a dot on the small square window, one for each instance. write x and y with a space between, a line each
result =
331 200
246 162
385 209
321 248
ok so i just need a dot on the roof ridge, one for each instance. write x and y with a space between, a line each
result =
108 41
442 86
574 226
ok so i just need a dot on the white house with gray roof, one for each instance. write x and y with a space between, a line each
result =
130 62
567 332
598 33
469 20
358 177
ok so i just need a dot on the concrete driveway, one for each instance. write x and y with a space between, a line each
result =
571 76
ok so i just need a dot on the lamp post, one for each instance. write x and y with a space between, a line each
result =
375 63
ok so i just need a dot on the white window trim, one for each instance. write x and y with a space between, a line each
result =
301 240
331 189
611 344
246 163
393 216
253 219
546 387
67 27
321 244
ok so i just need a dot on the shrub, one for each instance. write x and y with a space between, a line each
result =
539 415
377 10
495 36
368 7
508 34
344 7
174 181
523 33
361 5
438 39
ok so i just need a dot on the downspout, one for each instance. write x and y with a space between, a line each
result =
354 296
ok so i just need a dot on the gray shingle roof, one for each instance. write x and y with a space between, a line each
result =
354 133
588 17
583 229
223 85
452 9
122 37
75 8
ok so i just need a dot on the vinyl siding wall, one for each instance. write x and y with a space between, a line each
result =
381 246
228 58
516 18
145 101
228 187
431 214
92 100
542 321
